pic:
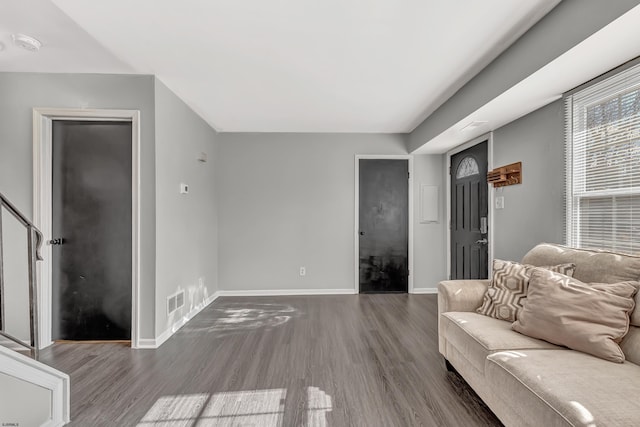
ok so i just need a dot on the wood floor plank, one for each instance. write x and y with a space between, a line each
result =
338 360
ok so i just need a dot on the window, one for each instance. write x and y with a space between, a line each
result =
603 164
468 167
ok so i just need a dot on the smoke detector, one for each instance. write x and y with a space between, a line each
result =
26 42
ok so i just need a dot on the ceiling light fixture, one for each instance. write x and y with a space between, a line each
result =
26 42
473 125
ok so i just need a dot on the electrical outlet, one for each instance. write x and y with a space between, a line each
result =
303 271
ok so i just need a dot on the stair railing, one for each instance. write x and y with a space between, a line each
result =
34 243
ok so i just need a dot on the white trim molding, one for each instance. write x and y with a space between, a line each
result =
409 158
490 195
429 291
26 369
151 343
147 343
42 172
284 292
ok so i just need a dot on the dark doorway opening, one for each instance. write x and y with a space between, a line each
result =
383 225
92 230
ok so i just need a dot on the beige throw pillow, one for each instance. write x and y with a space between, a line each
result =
589 318
508 289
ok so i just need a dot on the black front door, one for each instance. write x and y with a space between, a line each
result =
384 225
91 213
469 208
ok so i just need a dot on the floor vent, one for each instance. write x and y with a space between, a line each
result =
175 302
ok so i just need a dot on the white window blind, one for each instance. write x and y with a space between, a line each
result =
603 164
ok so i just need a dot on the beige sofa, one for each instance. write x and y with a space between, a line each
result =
530 382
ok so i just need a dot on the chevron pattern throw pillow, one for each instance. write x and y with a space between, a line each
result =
507 292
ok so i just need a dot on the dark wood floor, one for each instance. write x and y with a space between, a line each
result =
367 360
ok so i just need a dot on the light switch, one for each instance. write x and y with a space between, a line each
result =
500 202
184 188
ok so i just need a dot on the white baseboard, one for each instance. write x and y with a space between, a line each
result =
163 337
425 291
151 343
285 292
147 343
45 344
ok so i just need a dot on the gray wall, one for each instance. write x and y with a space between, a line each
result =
21 92
16 274
186 224
287 200
534 210
429 244
564 27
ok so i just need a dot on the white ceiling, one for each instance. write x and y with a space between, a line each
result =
66 46
279 66
610 45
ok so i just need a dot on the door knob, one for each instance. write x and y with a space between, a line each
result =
362 233
482 242
56 241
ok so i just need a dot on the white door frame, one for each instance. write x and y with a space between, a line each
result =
356 234
447 179
42 189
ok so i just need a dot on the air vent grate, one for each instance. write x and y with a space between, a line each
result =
175 302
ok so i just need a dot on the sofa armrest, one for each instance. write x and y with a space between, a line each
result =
461 295
458 295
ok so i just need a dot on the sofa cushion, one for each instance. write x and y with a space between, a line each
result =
508 289
476 336
630 345
565 387
591 265
590 318
635 314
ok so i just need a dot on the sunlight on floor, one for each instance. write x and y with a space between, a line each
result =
235 317
175 411
318 404
235 408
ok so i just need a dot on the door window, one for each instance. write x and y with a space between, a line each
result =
468 167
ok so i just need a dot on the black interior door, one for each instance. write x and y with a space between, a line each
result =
384 225
469 208
91 212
